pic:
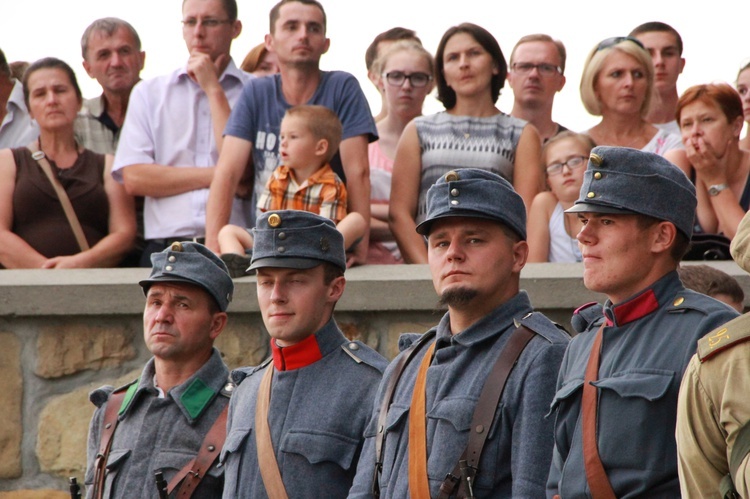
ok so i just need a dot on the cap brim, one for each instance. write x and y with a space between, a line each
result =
285 263
147 283
424 227
597 208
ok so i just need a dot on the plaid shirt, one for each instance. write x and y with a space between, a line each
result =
323 193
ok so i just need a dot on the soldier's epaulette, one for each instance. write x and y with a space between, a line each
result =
587 315
541 325
99 396
361 353
407 339
239 374
733 332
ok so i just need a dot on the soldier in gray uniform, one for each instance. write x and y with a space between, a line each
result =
296 421
161 420
476 238
616 401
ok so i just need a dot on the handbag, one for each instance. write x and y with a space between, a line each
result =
708 247
67 206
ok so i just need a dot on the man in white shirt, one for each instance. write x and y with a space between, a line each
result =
172 134
16 127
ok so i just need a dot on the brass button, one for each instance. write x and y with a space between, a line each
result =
598 175
274 220
596 159
176 246
451 176
590 195
678 301
454 192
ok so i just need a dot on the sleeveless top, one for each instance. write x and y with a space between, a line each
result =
38 216
381 171
449 142
562 247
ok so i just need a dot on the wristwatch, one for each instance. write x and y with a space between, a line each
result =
714 190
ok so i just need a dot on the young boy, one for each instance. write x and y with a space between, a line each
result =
309 138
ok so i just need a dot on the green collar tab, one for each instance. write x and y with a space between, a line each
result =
196 397
128 397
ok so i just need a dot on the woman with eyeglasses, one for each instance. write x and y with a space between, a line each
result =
34 229
406 78
552 232
710 118
471 132
617 84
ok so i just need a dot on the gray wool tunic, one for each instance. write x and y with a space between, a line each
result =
517 453
317 416
159 433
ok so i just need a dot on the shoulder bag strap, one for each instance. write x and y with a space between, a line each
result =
269 466
190 476
105 441
484 414
70 213
385 404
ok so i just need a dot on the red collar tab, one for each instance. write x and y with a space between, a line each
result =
296 356
634 309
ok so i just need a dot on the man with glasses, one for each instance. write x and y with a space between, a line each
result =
664 44
298 38
171 138
537 64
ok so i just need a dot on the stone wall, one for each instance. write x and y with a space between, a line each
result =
64 333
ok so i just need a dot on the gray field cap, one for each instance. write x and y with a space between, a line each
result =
297 240
475 193
626 181
192 263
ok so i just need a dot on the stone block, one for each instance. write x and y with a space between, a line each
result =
74 347
11 397
241 344
63 430
35 494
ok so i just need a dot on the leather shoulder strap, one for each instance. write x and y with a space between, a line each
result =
67 206
484 413
385 404
105 440
269 466
190 476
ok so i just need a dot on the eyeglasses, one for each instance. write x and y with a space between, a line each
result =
544 68
206 23
611 42
417 80
572 164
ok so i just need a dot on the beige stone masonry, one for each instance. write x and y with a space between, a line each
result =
73 347
10 406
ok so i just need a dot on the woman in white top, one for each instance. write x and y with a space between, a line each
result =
472 132
617 84
743 88
406 78
552 232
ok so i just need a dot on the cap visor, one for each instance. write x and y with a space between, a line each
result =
146 283
285 263
424 227
597 208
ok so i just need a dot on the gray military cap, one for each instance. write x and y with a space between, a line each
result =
192 263
623 180
471 192
297 240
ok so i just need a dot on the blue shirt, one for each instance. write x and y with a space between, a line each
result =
257 118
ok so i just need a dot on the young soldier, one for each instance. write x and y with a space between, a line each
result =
426 436
175 412
616 400
296 422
